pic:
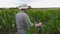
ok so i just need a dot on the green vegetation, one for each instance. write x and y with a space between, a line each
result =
49 17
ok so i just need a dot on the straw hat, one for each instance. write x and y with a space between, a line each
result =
23 6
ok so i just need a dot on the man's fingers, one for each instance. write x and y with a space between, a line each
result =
38 25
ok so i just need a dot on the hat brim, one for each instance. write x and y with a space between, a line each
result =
23 7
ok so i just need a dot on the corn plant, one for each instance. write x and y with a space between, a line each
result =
49 17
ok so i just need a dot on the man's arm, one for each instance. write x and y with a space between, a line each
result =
27 20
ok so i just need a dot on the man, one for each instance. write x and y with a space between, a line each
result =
23 22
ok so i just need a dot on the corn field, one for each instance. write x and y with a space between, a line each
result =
49 17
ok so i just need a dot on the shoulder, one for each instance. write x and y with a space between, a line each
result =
26 15
22 14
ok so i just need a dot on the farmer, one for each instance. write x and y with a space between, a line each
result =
23 21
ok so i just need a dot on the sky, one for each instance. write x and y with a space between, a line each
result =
32 3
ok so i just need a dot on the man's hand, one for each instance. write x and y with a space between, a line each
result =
38 25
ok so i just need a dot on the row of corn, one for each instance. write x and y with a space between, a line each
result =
49 17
